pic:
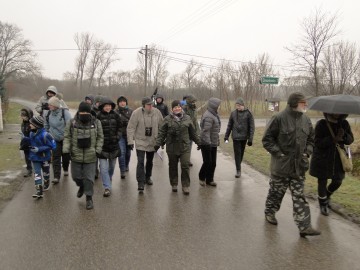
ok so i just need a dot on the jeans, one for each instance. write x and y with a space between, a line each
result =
124 158
144 172
57 156
107 167
207 170
84 175
239 148
27 160
39 166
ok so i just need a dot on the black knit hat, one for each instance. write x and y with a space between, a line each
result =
37 121
295 98
84 107
175 103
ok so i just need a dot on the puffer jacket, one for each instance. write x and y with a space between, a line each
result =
210 124
55 123
289 136
111 126
163 108
125 114
241 126
325 162
177 133
75 130
136 128
42 140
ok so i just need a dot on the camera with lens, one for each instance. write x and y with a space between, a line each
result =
148 131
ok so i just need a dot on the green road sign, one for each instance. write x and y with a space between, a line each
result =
269 80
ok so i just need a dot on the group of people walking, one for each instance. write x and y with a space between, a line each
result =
102 132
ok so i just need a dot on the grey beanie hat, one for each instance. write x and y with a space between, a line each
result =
240 101
295 98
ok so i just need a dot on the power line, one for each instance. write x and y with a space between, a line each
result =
77 49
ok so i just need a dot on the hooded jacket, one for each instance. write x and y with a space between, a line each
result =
241 126
56 122
325 161
163 108
111 127
288 136
136 128
210 124
125 114
42 105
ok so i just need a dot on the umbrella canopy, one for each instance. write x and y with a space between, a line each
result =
339 104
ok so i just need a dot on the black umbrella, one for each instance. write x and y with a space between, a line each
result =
339 104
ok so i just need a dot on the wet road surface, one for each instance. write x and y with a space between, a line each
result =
213 228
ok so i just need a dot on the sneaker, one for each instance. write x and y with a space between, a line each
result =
202 183
186 190
55 181
39 192
28 174
123 176
107 192
213 184
141 188
66 173
238 174
149 181
80 192
271 219
89 203
46 185
174 188
127 169
309 232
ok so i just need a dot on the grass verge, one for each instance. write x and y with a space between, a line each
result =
13 114
346 199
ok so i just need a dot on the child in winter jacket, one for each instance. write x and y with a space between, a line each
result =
40 143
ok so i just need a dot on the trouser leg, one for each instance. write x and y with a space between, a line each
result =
211 171
277 189
185 170
27 160
65 158
334 185
83 175
37 172
173 169
122 158
206 156
56 161
46 170
112 163
301 209
104 172
149 164
140 168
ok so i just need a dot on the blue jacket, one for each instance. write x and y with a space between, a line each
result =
55 123
44 141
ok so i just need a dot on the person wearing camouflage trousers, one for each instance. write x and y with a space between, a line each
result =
289 138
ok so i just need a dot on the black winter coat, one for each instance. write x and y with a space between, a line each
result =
241 125
325 161
25 129
163 108
125 114
111 126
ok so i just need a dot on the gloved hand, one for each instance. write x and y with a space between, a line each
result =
131 146
34 149
156 147
249 143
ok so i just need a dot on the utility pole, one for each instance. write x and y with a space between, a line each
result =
145 75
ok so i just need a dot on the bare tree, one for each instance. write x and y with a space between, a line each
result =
97 53
16 55
191 71
108 58
341 64
84 42
319 29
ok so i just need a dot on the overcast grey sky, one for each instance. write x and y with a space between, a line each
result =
230 29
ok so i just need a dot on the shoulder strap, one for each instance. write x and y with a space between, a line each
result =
330 129
47 116
63 113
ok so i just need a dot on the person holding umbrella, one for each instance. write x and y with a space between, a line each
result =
325 162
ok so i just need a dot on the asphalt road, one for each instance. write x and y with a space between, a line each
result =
212 228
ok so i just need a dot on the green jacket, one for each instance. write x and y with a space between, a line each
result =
177 133
193 115
289 138
77 130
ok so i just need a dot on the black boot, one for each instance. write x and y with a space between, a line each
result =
323 202
39 192
328 194
80 192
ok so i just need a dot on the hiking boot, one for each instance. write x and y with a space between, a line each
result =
55 181
309 232
186 190
271 219
28 173
66 173
212 183
174 188
80 192
107 193
238 174
89 203
39 192
123 176
46 185
141 188
324 206
149 181
202 183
